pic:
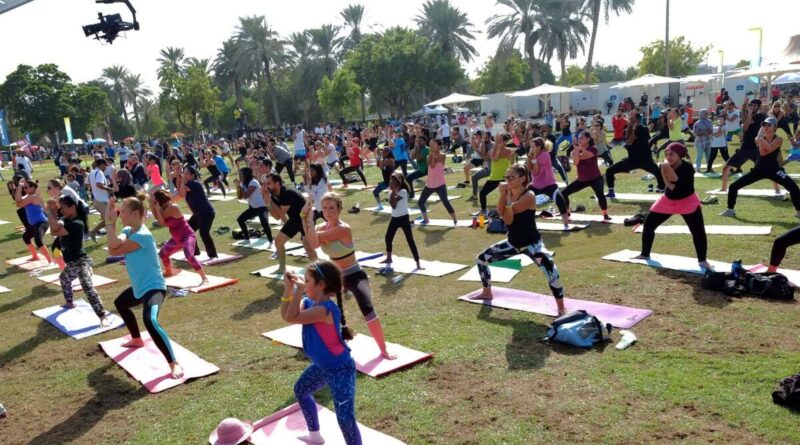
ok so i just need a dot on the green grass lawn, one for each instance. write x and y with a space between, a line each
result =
702 371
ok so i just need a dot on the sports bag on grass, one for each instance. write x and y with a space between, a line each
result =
768 285
788 392
578 328
496 225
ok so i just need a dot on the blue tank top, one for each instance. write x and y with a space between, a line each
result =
221 165
313 344
35 214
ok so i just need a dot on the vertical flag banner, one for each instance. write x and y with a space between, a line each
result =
69 129
3 129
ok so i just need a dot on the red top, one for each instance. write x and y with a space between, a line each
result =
355 156
619 124
587 169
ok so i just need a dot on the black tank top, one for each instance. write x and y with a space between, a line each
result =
213 170
769 162
523 232
387 173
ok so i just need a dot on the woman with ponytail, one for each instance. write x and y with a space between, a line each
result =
335 238
307 301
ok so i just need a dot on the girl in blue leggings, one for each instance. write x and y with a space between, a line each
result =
323 343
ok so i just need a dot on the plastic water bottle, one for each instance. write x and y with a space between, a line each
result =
736 268
481 220
398 278
3 412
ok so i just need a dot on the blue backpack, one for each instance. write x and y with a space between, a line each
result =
578 328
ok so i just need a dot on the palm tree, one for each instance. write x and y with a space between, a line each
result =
134 89
561 32
519 23
445 25
260 42
171 61
231 70
203 64
146 106
116 75
326 46
299 47
593 9
352 15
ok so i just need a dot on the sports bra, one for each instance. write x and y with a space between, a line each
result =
338 250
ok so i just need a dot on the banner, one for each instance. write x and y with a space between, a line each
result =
69 129
3 129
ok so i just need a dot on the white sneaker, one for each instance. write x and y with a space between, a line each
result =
728 212
628 338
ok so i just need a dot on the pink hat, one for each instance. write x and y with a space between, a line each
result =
231 432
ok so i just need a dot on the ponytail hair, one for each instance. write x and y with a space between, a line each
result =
397 176
135 203
330 274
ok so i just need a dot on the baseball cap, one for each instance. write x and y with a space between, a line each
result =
771 121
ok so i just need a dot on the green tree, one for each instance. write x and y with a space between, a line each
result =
742 63
339 96
224 114
561 32
91 107
197 96
261 43
683 57
504 73
325 45
593 9
353 15
37 99
520 22
445 25
152 122
133 88
609 73
231 71
574 75
115 74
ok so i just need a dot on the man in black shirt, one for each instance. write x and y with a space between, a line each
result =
637 144
286 204
77 263
138 173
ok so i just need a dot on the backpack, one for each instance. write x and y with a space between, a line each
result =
768 285
578 328
496 225
635 220
713 280
564 161
788 392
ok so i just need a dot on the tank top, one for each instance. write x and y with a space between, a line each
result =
498 169
35 214
337 249
522 231
178 228
323 342
435 175
769 162
387 173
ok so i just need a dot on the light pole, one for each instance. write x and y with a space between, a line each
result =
760 42
666 46
721 60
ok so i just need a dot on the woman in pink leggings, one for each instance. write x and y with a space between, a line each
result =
183 237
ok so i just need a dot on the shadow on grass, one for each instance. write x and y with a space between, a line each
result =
525 350
44 332
111 393
268 304
704 297
40 291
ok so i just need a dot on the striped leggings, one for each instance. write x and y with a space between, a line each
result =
504 249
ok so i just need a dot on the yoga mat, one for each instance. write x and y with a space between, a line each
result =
271 219
434 198
301 253
363 349
263 244
444 223
542 200
615 219
203 258
38 265
672 262
387 210
284 426
751 192
352 186
708 175
269 272
221 198
97 281
635 197
559 227
3 222
190 281
499 274
79 322
4 289
619 316
712 230
792 275
408 265
148 366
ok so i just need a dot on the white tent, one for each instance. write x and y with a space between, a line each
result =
544 90
700 78
646 81
455 99
768 73
430 110
787 78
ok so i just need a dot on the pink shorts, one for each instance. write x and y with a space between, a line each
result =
683 206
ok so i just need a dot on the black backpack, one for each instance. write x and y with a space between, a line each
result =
773 286
713 280
495 224
788 392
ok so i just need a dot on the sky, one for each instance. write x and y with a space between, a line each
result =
49 31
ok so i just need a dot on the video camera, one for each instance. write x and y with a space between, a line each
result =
111 25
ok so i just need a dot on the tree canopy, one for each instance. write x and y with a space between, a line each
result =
683 57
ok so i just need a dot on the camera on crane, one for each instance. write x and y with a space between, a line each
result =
111 25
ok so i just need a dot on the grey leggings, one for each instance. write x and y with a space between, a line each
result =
482 173
441 191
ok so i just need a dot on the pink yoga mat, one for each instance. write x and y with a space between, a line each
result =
148 365
190 281
97 281
619 316
203 258
363 349
792 275
284 426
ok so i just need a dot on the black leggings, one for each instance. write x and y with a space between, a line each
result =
152 301
352 169
629 164
442 192
357 283
263 217
557 165
289 168
36 233
596 185
403 164
214 180
202 224
488 187
401 222
780 245
713 155
555 195
696 227
606 156
755 175
23 217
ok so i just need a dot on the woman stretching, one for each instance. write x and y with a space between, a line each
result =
354 157
679 198
183 237
215 175
543 181
435 183
203 213
585 159
517 207
307 301
398 199
387 166
37 220
249 188
317 186
147 284
500 158
335 238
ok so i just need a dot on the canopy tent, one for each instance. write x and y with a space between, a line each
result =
783 79
646 81
700 78
456 99
544 89
767 73
424 111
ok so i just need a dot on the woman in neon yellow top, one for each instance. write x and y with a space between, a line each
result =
501 156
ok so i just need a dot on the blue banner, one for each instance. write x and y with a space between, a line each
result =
3 129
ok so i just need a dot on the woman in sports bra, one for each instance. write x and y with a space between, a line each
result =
182 236
335 238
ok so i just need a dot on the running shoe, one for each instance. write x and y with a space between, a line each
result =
729 212
611 194
711 200
472 198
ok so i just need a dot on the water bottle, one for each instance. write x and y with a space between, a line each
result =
3 412
736 269
481 220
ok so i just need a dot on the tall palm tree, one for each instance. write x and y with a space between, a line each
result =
116 75
232 70
133 90
519 23
299 47
326 46
593 9
261 43
171 60
353 15
445 25
203 64
561 32
146 106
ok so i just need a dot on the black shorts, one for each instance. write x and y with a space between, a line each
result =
476 162
299 157
741 156
292 227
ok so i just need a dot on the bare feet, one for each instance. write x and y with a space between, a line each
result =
388 260
105 322
562 309
486 294
176 370
134 343
170 273
388 355
68 305
313 437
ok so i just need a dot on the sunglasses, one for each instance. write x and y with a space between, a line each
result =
510 178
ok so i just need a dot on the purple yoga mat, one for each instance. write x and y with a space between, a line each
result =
619 316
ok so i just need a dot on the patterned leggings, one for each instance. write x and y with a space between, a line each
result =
81 269
342 382
188 244
504 249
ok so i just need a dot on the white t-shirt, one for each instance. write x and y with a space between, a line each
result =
445 130
68 191
330 154
255 200
401 208
300 141
719 141
732 125
98 177
319 131
25 163
317 192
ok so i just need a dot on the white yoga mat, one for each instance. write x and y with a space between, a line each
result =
463 223
434 198
269 272
615 219
4 289
712 230
263 244
636 197
407 265
387 210
559 227
205 260
499 274
751 192
80 322
3 222
221 198
672 262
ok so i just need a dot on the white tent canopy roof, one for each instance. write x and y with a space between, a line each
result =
455 98
768 71
543 90
700 78
431 110
646 81
787 78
